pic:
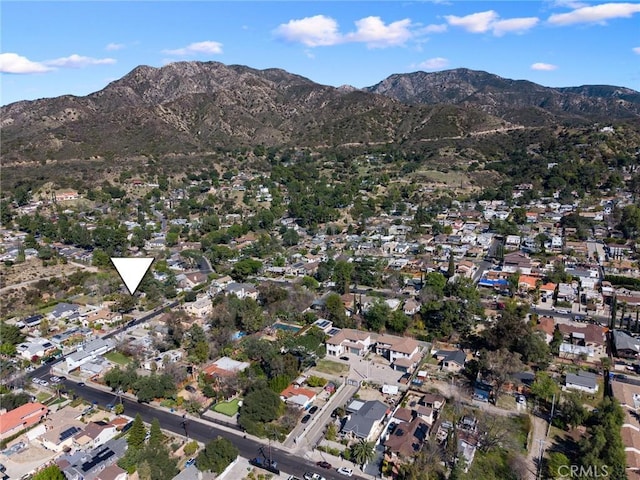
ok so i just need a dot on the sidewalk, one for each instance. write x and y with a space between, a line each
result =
336 462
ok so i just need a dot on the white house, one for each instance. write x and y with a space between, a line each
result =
349 341
582 381
87 352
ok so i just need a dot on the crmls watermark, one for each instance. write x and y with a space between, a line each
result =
583 471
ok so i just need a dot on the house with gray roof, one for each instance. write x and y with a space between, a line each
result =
625 345
365 418
582 381
88 352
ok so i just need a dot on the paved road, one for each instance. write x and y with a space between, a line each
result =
203 431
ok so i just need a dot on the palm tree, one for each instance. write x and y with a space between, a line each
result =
363 452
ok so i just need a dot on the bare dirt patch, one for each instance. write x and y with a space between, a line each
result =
32 270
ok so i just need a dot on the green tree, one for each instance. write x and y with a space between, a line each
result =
244 268
544 387
363 452
259 407
334 310
51 472
155 434
190 448
377 316
342 276
216 455
556 465
137 433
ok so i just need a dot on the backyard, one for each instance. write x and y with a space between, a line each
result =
330 367
228 408
117 357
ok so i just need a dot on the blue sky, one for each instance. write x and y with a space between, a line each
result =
55 48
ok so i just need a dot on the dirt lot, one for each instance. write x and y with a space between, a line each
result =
31 270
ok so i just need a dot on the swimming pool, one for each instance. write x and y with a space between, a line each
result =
287 327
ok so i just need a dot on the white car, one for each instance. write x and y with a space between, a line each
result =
347 472
44 383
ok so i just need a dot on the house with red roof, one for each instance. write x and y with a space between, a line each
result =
298 396
18 419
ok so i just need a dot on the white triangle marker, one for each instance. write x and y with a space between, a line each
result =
132 270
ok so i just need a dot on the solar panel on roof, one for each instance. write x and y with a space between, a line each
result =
68 432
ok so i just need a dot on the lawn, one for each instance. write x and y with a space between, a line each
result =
117 357
332 368
227 408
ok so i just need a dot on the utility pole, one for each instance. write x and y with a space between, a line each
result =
553 404
541 442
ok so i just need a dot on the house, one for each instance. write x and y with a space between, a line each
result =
407 439
467 446
219 284
298 396
547 326
94 435
433 401
67 195
451 360
225 367
628 396
517 262
527 283
191 280
365 418
582 381
82 465
61 426
241 290
63 310
411 307
38 347
548 289
625 345
22 417
200 308
591 336
87 352
349 341
30 322
112 472
403 353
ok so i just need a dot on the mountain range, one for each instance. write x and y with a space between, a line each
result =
190 107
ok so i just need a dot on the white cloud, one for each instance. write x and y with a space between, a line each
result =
14 63
323 31
595 13
196 48
309 54
435 28
483 22
545 67
374 32
475 23
316 31
78 61
514 25
636 50
436 63
569 3
112 47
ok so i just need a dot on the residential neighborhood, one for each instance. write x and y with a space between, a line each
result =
382 338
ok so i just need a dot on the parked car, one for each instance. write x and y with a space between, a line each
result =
313 410
305 419
521 399
81 384
44 383
190 389
190 462
324 464
109 406
345 358
347 472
